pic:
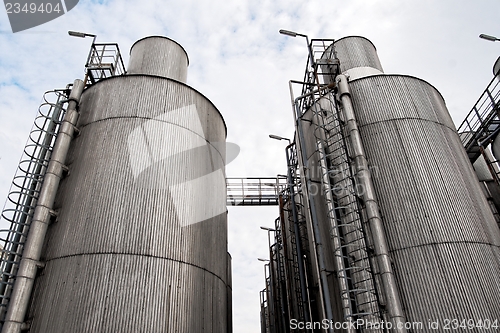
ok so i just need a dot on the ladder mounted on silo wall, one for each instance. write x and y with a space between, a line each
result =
356 269
104 60
25 188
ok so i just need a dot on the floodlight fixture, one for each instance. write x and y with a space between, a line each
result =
295 34
488 37
288 33
277 137
80 34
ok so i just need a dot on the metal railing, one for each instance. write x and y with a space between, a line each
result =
482 124
254 191
25 189
104 61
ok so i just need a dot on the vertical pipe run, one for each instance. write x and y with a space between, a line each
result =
363 176
33 247
335 235
324 289
30 197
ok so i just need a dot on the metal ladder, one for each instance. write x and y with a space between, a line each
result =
358 292
25 188
349 232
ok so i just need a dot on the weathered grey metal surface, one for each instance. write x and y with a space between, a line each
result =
495 148
140 243
496 68
481 167
356 51
158 56
30 262
442 235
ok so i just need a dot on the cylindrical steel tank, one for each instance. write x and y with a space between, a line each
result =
140 241
442 235
495 148
443 238
359 57
158 56
482 169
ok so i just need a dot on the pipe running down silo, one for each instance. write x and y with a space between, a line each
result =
140 240
30 262
364 177
441 234
430 239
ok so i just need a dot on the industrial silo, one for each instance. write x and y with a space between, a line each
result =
140 239
402 237
442 236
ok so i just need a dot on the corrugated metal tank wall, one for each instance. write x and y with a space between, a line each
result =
158 56
359 57
495 148
140 243
443 238
442 235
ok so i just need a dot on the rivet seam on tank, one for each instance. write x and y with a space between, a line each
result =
171 152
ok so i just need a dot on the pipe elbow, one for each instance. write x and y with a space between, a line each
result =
342 85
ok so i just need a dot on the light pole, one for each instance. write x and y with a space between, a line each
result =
496 66
277 137
295 34
83 35
268 235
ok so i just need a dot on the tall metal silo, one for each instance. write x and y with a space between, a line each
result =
140 240
399 229
442 236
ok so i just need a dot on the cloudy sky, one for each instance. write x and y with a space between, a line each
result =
242 64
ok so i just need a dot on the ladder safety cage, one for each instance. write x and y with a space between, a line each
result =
25 188
321 69
353 248
104 60
286 286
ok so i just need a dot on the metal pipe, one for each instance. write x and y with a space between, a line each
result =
324 290
28 202
335 234
364 178
30 261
